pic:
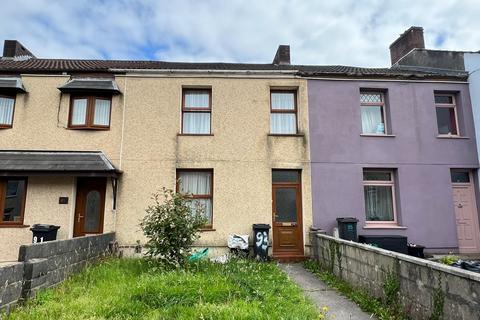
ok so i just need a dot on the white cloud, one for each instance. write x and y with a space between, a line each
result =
348 32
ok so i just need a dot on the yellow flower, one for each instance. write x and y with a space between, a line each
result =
325 309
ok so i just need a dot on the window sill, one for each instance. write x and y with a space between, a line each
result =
195 134
5 127
89 128
377 135
451 137
386 226
207 230
6 225
286 135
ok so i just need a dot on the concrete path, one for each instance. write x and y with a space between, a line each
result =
339 307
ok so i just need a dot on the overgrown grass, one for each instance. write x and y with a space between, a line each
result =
137 289
365 301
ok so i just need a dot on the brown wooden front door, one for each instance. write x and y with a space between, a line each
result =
287 214
89 206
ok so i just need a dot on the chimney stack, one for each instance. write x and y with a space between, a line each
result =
412 38
13 48
282 57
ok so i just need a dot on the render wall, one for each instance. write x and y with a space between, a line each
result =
240 151
421 159
472 65
42 206
148 112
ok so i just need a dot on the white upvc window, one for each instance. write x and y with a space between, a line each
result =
379 195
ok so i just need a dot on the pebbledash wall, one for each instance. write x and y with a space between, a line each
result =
422 161
40 122
424 285
43 265
240 151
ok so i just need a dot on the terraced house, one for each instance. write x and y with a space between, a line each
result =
86 142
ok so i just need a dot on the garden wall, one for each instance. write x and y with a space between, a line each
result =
11 283
42 265
426 288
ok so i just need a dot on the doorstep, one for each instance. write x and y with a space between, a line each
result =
289 258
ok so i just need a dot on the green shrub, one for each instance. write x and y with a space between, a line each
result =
171 227
449 260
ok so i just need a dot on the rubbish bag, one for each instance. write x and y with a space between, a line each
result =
198 255
238 241
468 265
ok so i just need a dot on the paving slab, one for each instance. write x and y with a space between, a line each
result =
339 307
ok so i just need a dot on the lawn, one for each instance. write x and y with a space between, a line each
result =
136 289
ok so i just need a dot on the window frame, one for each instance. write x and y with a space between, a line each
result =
3 197
453 106
90 112
467 171
383 106
208 226
14 97
196 110
384 183
293 111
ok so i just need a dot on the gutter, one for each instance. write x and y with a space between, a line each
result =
339 78
203 71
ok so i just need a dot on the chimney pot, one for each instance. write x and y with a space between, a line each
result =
282 57
412 38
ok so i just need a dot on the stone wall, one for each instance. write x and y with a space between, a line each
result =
11 283
43 265
424 285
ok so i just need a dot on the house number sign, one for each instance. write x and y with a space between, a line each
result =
36 239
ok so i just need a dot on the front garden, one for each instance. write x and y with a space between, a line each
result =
142 289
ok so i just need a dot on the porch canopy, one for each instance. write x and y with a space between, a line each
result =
72 163
12 84
90 85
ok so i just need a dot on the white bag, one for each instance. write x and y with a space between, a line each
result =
238 241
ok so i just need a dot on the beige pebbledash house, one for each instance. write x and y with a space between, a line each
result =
85 143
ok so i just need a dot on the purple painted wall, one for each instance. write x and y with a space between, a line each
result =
423 161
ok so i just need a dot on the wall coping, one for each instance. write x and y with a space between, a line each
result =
29 245
418 261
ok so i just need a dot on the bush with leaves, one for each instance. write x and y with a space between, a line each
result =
171 227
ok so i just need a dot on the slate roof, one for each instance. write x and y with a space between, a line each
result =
17 162
35 65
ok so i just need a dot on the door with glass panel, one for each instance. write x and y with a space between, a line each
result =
287 213
466 213
89 206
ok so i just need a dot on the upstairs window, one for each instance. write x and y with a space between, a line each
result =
379 195
446 109
90 112
196 111
12 200
7 104
373 112
283 112
198 186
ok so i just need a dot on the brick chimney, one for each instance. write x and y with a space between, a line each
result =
282 57
13 48
412 38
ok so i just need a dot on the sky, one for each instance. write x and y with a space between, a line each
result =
334 32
